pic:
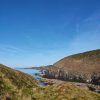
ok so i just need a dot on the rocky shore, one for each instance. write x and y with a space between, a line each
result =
83 67
16 85
54 82
93 78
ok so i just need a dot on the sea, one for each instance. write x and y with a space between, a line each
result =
33 72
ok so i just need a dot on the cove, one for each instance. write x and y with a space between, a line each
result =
35 73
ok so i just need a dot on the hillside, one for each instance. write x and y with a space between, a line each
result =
65 92
85 62
14 84
82 67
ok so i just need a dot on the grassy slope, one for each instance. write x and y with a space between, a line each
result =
13 83
20 86
65 92
85 62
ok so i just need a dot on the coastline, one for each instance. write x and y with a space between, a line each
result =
54 82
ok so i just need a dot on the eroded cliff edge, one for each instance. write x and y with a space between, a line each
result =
82 67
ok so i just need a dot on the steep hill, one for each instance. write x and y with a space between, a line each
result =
83 62
14 84
82 67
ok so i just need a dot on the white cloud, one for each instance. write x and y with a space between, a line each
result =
10 50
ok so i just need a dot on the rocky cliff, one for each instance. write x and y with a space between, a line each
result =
82 67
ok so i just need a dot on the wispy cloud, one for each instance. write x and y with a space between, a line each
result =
10 49
88 37
77 28
94 16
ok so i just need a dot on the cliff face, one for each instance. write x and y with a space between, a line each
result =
83 67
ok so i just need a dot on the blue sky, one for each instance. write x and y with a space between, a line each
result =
40 32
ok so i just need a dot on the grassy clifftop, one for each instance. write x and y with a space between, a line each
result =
87 62
88 54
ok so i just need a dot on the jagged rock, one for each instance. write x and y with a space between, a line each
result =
83 67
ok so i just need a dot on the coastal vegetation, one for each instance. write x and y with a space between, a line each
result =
16 85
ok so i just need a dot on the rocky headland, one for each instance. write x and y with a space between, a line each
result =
71 78
79 68
82 67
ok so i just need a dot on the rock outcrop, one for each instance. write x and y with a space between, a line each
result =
83 67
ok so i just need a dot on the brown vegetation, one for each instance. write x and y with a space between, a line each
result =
83 67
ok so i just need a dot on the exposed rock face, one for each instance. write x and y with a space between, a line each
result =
73 76
84 67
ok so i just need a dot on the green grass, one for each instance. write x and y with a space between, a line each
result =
13 83
20 86
87 54
84 54
65 92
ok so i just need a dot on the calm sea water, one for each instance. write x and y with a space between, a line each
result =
33 72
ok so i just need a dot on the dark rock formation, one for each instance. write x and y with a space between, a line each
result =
73 76
83 67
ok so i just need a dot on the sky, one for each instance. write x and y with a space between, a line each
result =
41 32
